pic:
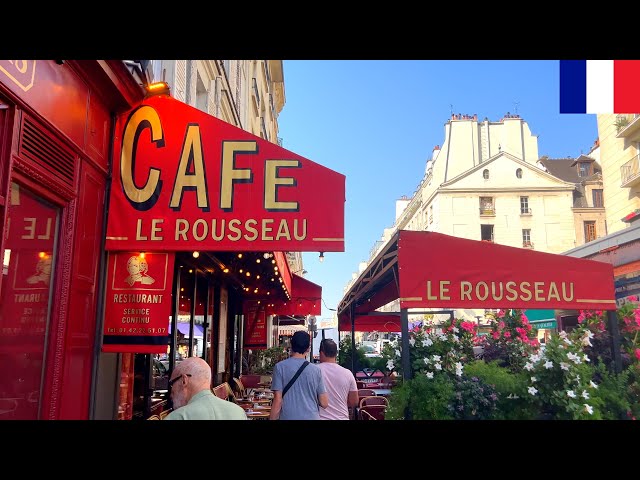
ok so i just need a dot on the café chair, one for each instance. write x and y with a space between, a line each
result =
366 392
376 412
222 391
154 417
164 413
375 400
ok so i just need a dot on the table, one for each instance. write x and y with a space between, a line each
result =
382 391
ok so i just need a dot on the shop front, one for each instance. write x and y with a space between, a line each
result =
201 214
55 137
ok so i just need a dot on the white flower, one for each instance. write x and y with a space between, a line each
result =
589 409
534 379
585 357
548 364
585 395
586 342
564 366
436 358
534 358
562 334
515 397
443 337
397 353
567 341
429 374
455 329
438 366
412 341
532 390
426 360
528 366
455 339
571 394
390 365
593 384
427 342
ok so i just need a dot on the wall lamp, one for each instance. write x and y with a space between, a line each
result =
321 257
157 88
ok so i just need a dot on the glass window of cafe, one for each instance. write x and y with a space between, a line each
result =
28 267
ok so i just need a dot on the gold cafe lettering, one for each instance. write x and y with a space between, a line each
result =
192 155
509 291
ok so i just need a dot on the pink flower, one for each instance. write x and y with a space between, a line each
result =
524 318
507 334
496 335
637 353
633 298
501 325
501 313
581 317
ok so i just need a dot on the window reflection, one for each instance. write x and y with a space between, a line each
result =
25 298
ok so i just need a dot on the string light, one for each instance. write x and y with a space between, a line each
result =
321 257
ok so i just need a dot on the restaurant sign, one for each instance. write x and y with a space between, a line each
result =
183 180
138 302
255 334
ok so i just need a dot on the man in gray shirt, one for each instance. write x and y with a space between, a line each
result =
192 398
307 393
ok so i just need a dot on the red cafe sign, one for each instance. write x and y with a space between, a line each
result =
138 302
183 179
255 333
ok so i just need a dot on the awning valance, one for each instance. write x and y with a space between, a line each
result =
289 330
433 270
306 299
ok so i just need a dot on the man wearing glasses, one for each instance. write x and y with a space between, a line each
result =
192 398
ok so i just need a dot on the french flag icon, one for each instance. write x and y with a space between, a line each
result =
599 86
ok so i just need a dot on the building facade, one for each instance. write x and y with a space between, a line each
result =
485 183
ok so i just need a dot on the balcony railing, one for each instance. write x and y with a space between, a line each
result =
628 126
527 244
630 173
488 211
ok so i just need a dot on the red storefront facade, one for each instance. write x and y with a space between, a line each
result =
56 122
61 139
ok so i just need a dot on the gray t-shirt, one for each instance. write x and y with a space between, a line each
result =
301 400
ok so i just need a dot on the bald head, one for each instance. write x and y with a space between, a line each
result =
196 377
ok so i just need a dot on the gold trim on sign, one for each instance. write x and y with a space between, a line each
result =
410 299
591 300
322 239
117 238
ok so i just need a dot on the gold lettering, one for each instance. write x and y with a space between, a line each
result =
283 230
465 290
214 235
205 229
182 226
526 290
156 226
145 197
271 182
232 175
139 235
47 235
429 296
509 287
192 149
251 229
232 227
564 293
296 235
553 292
486 291
29 228
444 290
538 289
493 291
266 229
21 65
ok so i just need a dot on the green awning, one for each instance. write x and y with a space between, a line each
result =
542 318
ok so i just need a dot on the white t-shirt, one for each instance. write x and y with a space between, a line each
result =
338 381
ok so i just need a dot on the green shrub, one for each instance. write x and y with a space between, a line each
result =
509 387
426 398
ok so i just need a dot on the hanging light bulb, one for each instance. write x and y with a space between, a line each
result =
196 254
321 257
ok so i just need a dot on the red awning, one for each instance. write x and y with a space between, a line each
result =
433 270
306 299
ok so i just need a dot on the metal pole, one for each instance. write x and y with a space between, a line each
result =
323 334
205 324
353 339
192 319
615 340
175 308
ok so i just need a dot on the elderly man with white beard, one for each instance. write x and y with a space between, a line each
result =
192 398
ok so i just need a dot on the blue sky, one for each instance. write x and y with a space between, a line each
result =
377 121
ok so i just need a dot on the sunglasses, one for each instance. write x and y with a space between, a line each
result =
171 382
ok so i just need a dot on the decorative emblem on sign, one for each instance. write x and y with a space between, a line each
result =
138 268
